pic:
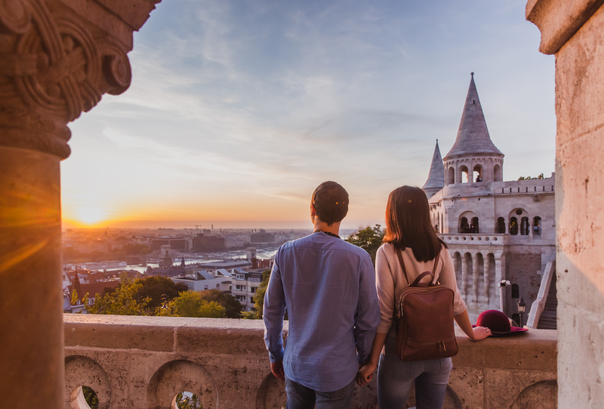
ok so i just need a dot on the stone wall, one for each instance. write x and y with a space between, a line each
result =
573 32
143 362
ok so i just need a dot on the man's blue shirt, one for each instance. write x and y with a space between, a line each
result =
328 287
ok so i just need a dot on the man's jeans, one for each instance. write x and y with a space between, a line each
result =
301 397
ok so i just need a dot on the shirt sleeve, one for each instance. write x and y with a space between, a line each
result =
385 290
273 313
447 278
367 316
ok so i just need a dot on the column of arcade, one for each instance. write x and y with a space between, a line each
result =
57 58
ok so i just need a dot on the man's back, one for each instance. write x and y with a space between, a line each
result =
328 286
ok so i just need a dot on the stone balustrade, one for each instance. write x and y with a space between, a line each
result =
494 239
144 362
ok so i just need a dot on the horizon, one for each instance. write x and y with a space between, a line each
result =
237 112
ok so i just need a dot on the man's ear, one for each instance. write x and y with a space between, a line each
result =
313 211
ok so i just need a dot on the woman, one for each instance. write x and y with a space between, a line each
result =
408 228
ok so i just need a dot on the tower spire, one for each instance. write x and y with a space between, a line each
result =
436 177
473 135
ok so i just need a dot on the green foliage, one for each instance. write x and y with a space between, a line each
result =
530 178
231 305
158 290
122 301
369 239
259 297
186 402
74 297
248 315
91 399
192 304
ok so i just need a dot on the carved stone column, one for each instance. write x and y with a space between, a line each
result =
486 277
57 58
475 277
464 277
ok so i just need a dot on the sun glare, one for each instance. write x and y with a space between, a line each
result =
91 215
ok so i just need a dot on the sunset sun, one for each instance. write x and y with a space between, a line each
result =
91 215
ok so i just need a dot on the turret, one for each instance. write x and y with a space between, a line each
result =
436 177
473 158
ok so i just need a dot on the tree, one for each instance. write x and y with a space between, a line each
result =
158 289
122 301
192 304
259 297
369 239
231 305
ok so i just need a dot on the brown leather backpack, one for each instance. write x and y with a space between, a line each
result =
424 318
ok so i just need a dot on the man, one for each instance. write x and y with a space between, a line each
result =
328 288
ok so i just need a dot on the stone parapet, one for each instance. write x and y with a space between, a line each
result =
143 362
492 239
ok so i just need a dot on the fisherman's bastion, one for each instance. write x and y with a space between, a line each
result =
496 230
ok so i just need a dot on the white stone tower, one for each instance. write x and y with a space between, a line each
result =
436 177
473 158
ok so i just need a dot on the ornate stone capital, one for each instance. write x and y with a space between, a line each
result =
57 59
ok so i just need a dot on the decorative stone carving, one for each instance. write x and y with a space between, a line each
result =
53 68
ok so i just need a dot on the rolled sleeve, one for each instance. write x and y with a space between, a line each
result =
273 313
367 317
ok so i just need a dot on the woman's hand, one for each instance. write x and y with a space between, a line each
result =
365 373
481 333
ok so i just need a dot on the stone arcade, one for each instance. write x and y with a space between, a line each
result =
495 230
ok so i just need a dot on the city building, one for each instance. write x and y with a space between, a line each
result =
180 243
203 280
245 286
496 230
202 242
262 238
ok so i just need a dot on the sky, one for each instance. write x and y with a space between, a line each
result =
238 109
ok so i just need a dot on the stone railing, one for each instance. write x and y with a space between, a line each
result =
495 239
144 362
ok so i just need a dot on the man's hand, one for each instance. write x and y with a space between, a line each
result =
277 370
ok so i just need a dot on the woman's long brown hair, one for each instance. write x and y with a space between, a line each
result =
408 223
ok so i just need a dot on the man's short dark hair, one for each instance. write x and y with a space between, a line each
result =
330 200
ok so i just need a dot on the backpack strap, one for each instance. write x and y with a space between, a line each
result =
400 260
436 260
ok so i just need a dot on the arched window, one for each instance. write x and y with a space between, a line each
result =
498 177
500 226
524 226
537 226
463 225
477 174
515 291
464 174
474 225
451 176
513 226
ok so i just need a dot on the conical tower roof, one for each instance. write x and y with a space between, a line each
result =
473 135
436 177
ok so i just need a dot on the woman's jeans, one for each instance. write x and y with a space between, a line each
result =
395 377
